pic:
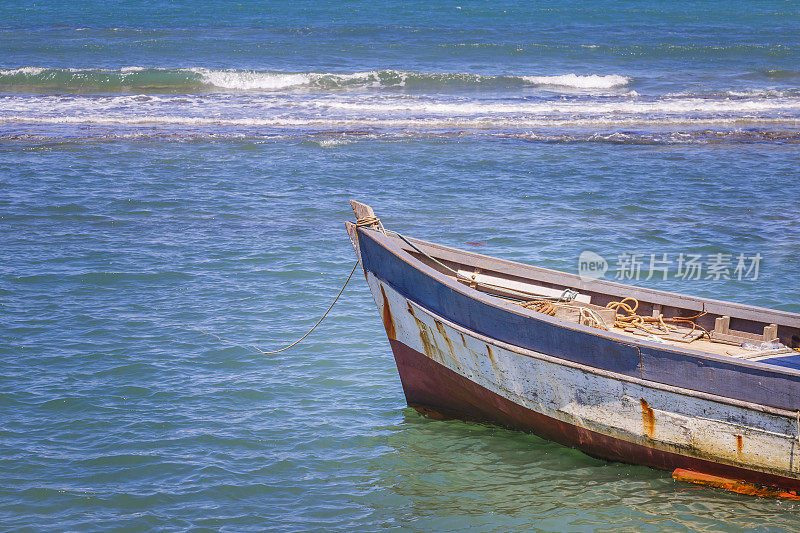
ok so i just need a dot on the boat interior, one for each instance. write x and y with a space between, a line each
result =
709 326
683 322
704 325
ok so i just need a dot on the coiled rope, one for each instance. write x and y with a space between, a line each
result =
589 316
546 307
629 320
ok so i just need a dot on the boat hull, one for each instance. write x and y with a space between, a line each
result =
452 371
747 381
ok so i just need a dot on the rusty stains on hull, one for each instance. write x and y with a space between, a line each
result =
388 321
428 345
487 381
491 358
443 333
648 418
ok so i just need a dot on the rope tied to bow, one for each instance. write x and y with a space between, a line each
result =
298 341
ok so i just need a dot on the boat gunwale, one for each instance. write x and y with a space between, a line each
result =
401 253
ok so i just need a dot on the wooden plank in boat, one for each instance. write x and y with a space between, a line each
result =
723 332
517 286
766 354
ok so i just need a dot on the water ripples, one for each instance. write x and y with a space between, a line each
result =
118 411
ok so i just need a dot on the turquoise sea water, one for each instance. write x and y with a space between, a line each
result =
172 170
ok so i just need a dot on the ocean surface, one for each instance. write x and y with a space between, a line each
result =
174 178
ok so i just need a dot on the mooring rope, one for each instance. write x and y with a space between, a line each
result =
593 318
298 341
371 221
411 244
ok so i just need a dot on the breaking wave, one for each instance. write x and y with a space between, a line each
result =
592 81
197 79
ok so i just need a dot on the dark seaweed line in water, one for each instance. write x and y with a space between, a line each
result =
612 137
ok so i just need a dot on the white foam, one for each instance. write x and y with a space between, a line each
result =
331 143
370 78
628 106
764 93
347 104
592 81
28 71
475 124
249 80
345 109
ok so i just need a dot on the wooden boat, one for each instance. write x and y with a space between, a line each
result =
677 394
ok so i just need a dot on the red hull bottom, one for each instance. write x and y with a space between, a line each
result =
432 388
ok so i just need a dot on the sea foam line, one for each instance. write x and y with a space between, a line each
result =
410 124
393 105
